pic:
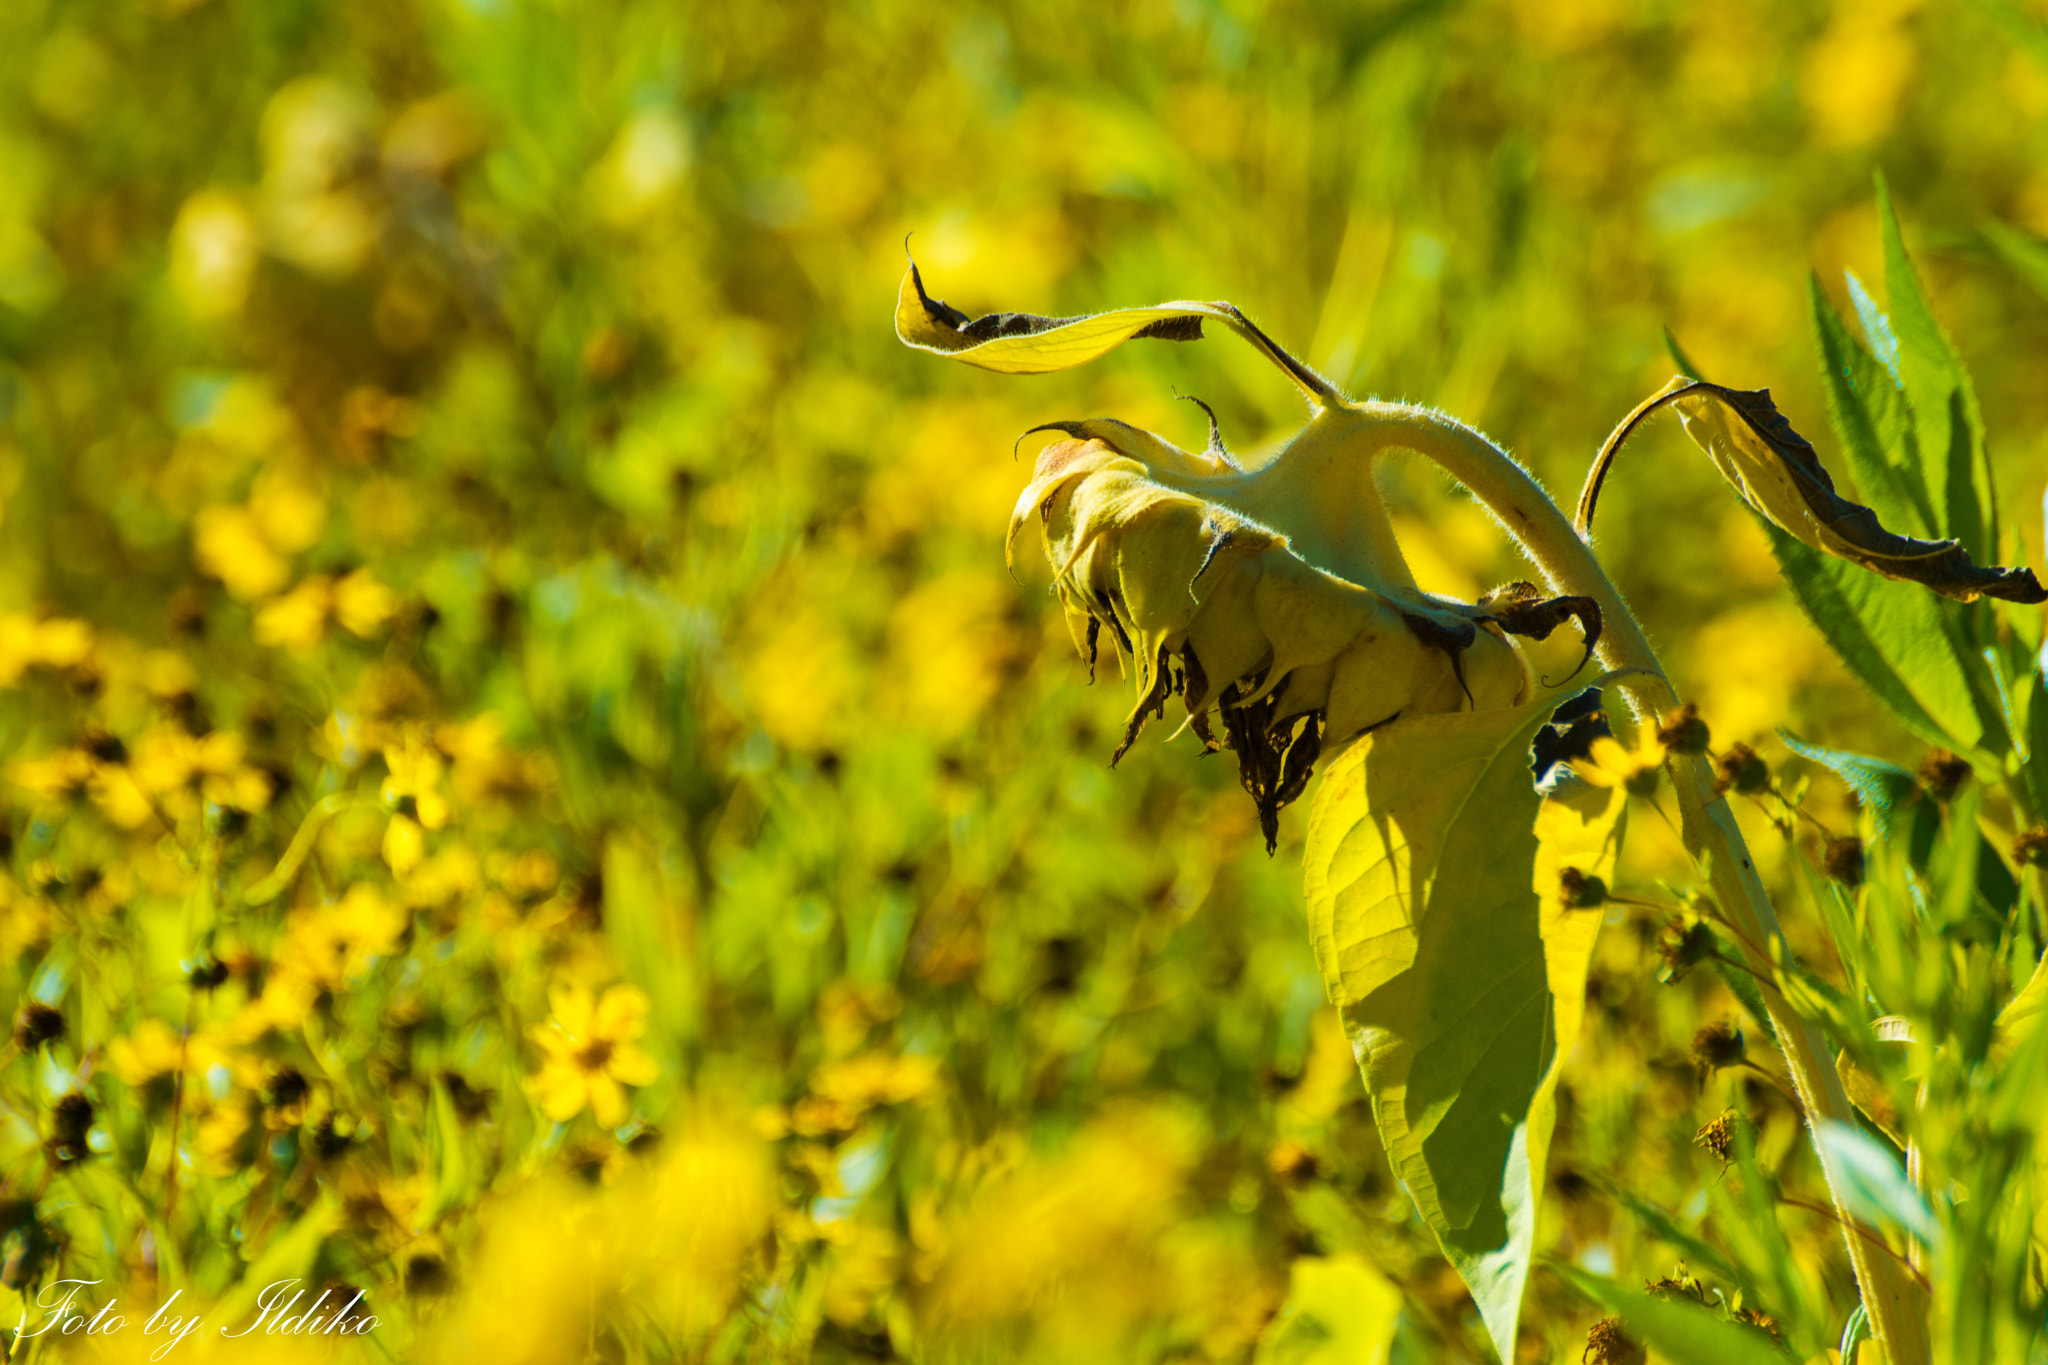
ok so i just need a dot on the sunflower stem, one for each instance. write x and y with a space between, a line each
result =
1895 1303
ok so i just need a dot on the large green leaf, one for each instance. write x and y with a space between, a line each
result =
1893 637
1870 418
1422 868
1945 413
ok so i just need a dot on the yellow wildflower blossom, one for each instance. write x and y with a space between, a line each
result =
26 642
416 769
591 1054
229 545
297 620
1611 765
53 777
362 604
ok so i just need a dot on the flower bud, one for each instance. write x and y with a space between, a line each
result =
1741 770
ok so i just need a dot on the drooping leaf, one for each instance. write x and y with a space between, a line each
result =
1945 416
1025 343
1422 865
1776 471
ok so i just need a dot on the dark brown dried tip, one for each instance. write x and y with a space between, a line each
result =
1715 1046
1718 1137
1274 758
1683 732
1843 860
1741 770
1519 608
1607 1344
1941 773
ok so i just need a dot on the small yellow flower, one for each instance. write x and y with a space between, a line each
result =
415 779
297 620
1611 765
591 1054
362 604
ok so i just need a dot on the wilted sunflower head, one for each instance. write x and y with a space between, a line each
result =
1272 600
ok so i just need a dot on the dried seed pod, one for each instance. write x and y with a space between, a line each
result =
1741 770
1607 1344
1942 773
1717 1045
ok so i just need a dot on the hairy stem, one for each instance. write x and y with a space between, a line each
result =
1895 1303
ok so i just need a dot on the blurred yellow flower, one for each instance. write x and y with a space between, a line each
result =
298 619
27 642
414 786
1611 765
228 545
591 1054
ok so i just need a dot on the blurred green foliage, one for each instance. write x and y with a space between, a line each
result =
469 543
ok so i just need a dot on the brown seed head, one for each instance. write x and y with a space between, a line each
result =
1682 947
1291 1163
1741 770
1941 773
1843 860
1607 1344
2031 848
1718 1137
1679 1284
1582 890
1717 1045
1683 732
36 1025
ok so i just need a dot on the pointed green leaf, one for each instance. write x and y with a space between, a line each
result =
1422 868
1892 637
2025 256
1945 414
1870 419
1884 789
1870 1182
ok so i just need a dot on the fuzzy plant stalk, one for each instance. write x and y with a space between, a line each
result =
1448 895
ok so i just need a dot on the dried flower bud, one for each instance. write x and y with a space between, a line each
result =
1761 1321
1717 1045
1679 1284
1582 890
70 1121
1941 773
1291 1163
37 1024
1718 1137
1843 860
1607 1344
1683 732
1741 770
1682 947
2031 848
